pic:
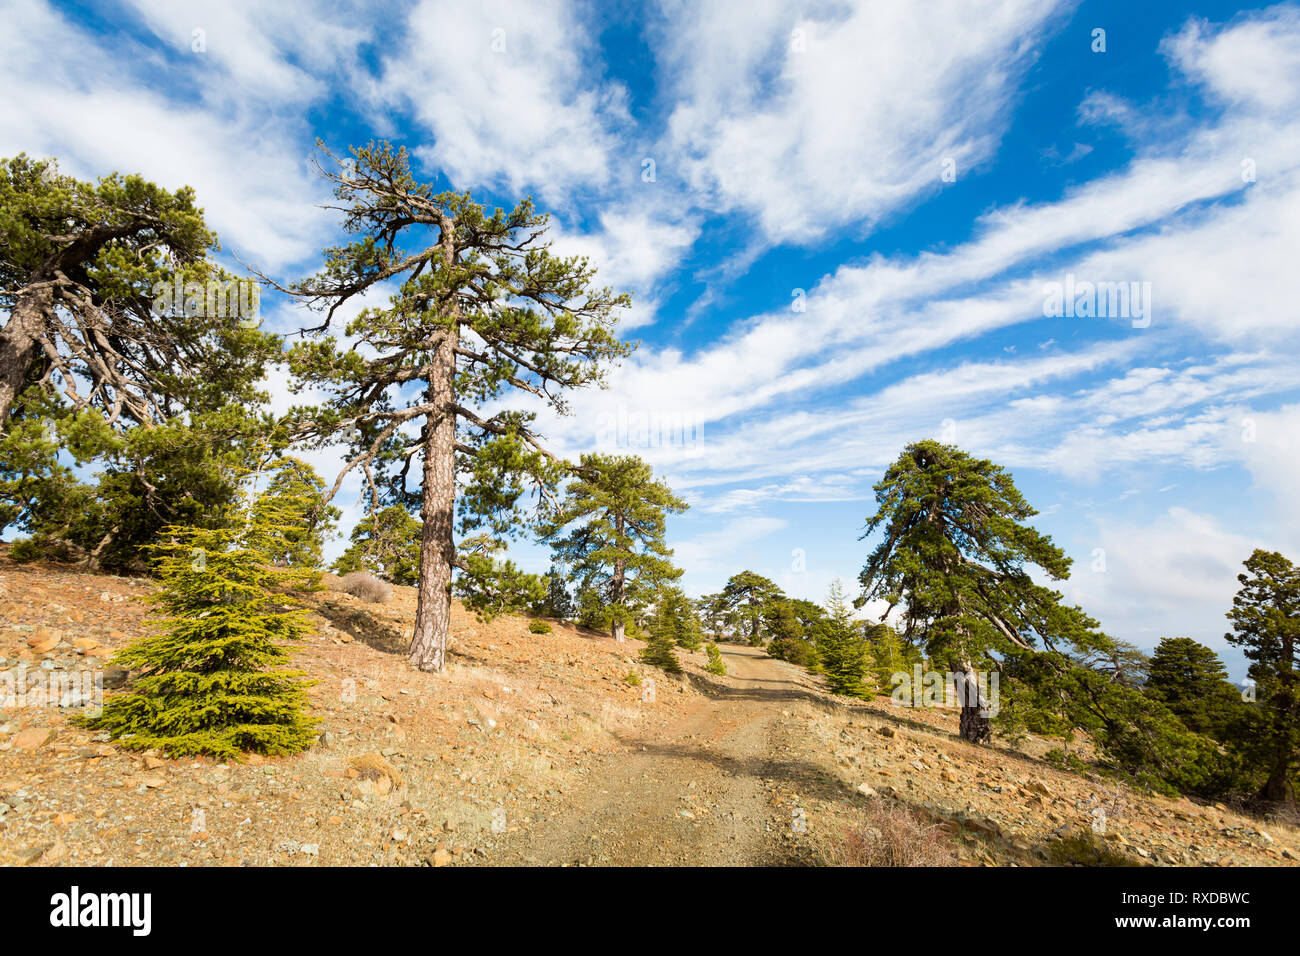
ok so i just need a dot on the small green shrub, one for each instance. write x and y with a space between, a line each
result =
715 664
658 652
42 548
1084 849
633 678
538 626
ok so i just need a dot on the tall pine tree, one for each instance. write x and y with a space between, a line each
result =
483 310
954 553
1189 679
1265 618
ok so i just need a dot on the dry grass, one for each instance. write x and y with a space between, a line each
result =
890 834
366 587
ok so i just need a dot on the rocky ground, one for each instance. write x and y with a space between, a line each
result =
531 749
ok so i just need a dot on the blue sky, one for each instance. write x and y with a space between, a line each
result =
855 215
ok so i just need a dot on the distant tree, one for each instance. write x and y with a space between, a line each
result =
841 650
483 311
717 619
808 613
954 555
889 653
748 594
295 488
559 602
1265 618
609 529
1189 679
592 611
674 615
790 642
387 544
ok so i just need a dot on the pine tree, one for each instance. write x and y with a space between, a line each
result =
615 515
81 269
181 472
100 353
385 543
1189 679
717 619
493 586
890 654
1052 694
483 310
789 639
1265 617
295 490
716 665
841 650
748 594
559 603
659 652
953 554
213 678
674 615
38 493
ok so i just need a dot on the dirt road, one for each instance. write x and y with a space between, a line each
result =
701 791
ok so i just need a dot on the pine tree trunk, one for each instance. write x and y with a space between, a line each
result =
19 347
1278 789
618 592
437 547
975 724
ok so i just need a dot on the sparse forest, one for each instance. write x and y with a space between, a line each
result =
136 439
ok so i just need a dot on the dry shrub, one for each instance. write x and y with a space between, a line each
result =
892 835
367 587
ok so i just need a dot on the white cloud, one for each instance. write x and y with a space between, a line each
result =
1268 445
505 88
1172 577
1253 63
71 98
856 123
1219 272
727 549
632 252
255 45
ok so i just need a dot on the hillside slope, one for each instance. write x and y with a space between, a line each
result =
534 749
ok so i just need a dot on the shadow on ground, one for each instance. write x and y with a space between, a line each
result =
363 627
